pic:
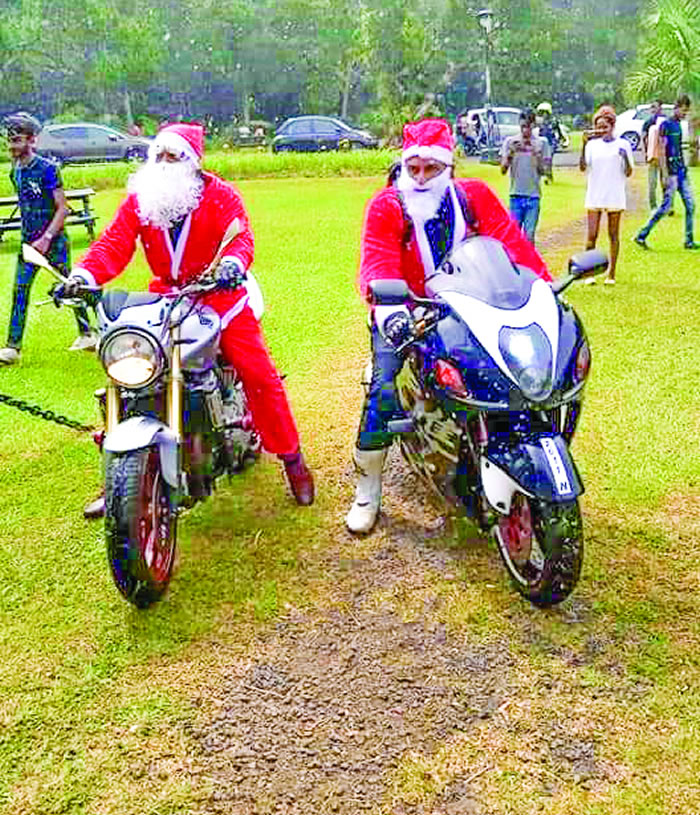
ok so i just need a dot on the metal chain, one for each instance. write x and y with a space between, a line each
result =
48 415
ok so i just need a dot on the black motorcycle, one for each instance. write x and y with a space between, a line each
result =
491 393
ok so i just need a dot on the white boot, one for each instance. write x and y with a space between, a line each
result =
8 356
368 495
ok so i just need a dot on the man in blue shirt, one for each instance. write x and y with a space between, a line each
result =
42 205
674 175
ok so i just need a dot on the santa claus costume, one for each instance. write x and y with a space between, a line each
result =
180 215
410 226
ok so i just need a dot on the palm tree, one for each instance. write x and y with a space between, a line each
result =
669 56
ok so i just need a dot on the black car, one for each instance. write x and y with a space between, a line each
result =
320 133
84 141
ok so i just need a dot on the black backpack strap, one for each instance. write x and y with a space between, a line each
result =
469 218
407 222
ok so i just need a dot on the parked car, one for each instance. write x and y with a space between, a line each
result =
309 133
82 141
629 124
506 123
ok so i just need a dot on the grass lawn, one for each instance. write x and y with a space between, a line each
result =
90 689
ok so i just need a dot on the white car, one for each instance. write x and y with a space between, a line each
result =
506 123
630 123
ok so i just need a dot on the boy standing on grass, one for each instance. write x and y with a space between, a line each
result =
674 175
42 205
526 156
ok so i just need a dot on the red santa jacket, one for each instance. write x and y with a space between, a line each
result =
386 253
197 245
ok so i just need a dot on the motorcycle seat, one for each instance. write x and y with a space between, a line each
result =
115 301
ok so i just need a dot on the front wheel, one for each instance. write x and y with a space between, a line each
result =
542 547
140 525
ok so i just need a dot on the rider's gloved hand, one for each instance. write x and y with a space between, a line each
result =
229 274
71 288
395 324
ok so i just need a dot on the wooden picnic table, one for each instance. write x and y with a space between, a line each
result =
79 213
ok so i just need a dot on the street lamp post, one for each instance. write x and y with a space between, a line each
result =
485 18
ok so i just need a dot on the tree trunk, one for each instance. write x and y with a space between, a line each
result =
127 109
426 104
246 108
345 98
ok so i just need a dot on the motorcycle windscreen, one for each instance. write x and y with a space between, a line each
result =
542 466
480 268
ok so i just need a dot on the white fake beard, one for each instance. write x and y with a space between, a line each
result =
423 200
166 191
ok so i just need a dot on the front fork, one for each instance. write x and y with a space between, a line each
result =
110 405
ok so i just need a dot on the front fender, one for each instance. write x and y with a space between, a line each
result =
539 467
138 432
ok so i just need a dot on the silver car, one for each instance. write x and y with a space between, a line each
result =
83 141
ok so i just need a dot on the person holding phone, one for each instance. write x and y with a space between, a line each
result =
528 158
608 162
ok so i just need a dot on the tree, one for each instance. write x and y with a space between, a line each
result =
669 57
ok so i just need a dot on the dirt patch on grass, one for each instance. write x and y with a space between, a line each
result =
398 697
575 230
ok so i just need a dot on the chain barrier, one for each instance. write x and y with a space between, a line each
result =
48 415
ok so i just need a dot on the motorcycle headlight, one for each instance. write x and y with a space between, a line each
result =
132 358
528 354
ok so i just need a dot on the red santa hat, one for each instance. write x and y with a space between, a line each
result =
429 138
184 140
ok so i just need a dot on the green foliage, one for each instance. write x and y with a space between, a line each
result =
669 57
393 59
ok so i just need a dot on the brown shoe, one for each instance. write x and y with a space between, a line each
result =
95 509
301 482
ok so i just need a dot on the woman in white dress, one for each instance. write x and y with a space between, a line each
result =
608 162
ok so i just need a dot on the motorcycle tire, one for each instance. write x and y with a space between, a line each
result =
469 147
140 525
542 548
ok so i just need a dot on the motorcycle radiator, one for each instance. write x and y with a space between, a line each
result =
434 448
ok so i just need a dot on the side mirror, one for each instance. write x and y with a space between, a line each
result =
588 263
388 292
584 264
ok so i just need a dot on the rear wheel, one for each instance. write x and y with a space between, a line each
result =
470 148
140 525
542 547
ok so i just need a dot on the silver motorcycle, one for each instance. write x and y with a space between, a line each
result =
175 419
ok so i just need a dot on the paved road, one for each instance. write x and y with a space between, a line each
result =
567 159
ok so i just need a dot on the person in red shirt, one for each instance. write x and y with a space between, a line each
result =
410 226
180 215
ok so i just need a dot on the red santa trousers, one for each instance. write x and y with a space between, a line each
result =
243 346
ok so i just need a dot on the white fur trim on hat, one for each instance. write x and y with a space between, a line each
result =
435 152
172 142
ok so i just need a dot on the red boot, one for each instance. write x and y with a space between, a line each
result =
301 482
